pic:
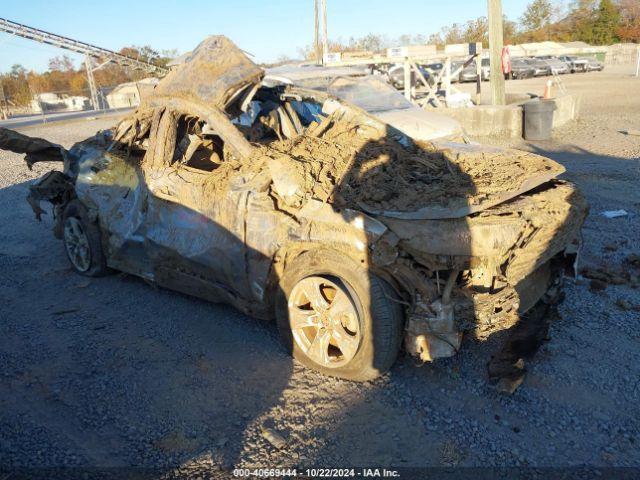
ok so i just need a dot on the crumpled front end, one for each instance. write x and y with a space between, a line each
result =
480 274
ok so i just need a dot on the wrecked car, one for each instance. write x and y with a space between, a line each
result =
291 204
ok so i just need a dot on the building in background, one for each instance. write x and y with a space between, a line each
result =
128 95
58 102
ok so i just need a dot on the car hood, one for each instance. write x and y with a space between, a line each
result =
488 177
420 124
212 74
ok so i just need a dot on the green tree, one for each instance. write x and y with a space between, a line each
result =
477 31
605 23
537 15
510 29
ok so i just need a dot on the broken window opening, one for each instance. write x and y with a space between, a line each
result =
270 118
197 146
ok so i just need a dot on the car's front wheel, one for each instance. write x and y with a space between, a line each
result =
81 238
338 318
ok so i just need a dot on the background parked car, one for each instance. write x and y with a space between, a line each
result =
594 65
434 69
485 67
521 69
575 63
396 76
540 67
557 66
469 73
454 67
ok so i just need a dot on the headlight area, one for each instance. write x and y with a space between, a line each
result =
465 295
443 304
431 331
446 294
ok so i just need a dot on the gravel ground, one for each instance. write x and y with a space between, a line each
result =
114 372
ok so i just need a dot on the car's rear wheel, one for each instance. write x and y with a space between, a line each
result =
82 242
336 317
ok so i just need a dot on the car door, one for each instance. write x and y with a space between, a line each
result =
195 225
112 185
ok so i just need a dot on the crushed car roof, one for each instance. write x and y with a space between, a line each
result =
212 74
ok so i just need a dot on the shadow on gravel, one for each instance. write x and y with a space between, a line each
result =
112 373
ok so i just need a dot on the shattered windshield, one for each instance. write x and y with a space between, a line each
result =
369 93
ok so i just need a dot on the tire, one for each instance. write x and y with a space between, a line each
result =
77 224
380 320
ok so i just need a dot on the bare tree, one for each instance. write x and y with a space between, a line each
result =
537 16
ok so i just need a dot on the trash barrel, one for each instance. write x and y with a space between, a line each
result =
538 119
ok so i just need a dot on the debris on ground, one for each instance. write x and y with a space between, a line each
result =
597 285
615 213
273 437
507 369
609 275
625 305
508 385
634 260
604 274
450 454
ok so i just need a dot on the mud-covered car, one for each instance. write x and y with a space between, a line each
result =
290 203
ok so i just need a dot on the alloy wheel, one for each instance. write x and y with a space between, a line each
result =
77 244
324 321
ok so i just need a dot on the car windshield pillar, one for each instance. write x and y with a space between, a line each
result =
218 120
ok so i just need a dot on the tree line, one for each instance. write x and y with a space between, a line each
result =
597 22
19 85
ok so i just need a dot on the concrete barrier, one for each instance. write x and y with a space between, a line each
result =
568 109
489 121
506 121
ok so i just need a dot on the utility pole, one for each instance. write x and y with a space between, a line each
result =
3 104
316 36
496 42
325 39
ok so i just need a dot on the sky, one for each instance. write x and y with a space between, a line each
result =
266 29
